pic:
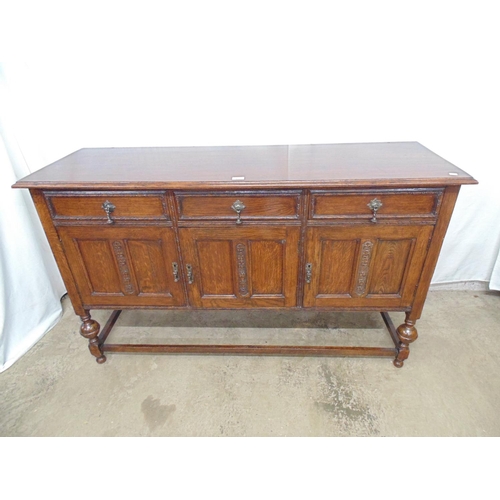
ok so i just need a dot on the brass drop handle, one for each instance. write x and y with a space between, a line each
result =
238 207
309 272
175 268
189 269
374 206
108 207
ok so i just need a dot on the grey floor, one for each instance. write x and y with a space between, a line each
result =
450 385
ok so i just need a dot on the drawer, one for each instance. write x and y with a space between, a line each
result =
91 205
253 205
360 204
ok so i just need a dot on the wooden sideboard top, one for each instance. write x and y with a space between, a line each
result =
223 167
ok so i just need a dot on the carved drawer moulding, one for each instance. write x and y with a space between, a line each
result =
87 206
396 204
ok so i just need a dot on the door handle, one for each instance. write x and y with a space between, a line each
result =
175 270
309 271
189 269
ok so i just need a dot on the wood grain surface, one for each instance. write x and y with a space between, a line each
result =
369 164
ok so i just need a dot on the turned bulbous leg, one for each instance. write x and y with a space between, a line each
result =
407 334
90 330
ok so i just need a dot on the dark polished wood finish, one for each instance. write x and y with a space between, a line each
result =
113 318
87 206
398 203
361 266
217 205
278 350
127 265
242 267
347 227
369 164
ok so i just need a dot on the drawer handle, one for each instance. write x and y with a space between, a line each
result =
309 272
109 208
238 207
374 206
175 268
189 269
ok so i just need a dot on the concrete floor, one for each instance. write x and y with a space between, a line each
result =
450 385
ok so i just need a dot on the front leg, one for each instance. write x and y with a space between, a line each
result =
407 334
90 330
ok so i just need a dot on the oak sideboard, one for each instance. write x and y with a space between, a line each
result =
341 227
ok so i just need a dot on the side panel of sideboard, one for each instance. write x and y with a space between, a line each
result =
58 251
447 205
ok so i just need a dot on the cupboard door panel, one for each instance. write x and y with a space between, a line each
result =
216 273
337 259
123 267
389 267
101 271
148 269
364 266
243 266
267 270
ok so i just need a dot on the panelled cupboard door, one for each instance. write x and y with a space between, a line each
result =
132 266
241 266
364 266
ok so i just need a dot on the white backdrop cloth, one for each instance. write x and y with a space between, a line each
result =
30 284
495 276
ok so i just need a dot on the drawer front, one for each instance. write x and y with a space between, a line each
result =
252 205
95 205
375 204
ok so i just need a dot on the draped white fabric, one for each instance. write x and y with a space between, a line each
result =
471 249
30 283
495 275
